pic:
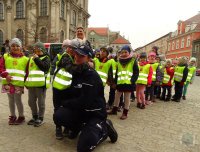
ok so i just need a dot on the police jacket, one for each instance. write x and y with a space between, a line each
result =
86 94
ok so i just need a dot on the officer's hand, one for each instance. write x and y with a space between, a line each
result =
9 78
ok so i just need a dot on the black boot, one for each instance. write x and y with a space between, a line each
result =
59 134
124 114
113 111
112 133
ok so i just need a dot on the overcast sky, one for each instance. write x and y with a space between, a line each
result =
141 21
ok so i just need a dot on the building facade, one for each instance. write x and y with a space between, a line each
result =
101 36
180 41
118 43
41 20
196 51
160 42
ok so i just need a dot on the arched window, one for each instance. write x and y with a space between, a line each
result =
182 43
1 11
20 35
74 18
43 35
62 36
43 7
84 22
20 9
62 9
1 37
188 42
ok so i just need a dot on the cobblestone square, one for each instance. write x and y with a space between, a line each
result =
161 127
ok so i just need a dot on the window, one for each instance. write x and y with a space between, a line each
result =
43 7
169 45
20 35
173 44
20 9
188 41
43 35
84 22
196 48
62 9
92 39
1 37
177 44
1 11
182 43
74 18
62 36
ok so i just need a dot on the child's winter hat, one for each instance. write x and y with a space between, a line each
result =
169 61
16 41
193 59
40 46
152 54
143 55
127 48
182 60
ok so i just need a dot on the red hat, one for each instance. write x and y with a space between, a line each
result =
152 54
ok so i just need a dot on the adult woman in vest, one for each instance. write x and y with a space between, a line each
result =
37 82
85 111
12 69
180 76
126 75
190 77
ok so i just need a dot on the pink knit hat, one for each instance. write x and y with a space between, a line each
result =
152 54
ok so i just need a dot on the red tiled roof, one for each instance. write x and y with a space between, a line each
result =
101 31
120 40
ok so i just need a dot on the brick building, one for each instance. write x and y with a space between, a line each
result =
180 41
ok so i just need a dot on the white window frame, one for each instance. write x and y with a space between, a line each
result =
63 17
182 42
177 44
15 5
173 45
47 8
169 46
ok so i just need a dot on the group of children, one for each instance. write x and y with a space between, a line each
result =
122 73
151 77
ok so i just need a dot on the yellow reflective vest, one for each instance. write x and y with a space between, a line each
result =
36 77
16 67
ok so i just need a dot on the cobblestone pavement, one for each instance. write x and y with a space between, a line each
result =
161 127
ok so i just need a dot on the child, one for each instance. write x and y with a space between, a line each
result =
12 69
167 80
156 78
180 76
127 74
144 79
62 78
37 82
190 77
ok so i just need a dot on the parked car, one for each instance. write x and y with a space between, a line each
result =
198 72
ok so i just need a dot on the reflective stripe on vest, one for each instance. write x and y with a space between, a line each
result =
62 79
143 74
125 72
190 73
102 69
178 74
36 77
154 66
16 68
166 77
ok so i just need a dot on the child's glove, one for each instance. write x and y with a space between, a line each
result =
9 78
